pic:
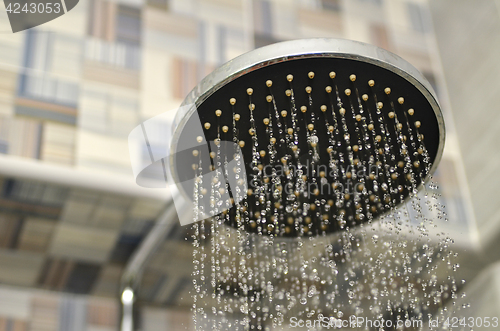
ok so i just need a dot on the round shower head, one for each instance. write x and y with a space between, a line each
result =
333 133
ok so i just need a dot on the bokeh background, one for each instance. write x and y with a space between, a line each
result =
71 215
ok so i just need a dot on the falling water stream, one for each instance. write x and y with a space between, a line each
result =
287 251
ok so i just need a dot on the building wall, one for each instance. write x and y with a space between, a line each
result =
70 92
468 37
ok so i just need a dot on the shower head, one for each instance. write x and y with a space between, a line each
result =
333 133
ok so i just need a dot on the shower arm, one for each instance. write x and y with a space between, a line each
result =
132 275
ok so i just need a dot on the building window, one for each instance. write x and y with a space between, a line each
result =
114 22
128 25
43 55
115 34
118 54
43 87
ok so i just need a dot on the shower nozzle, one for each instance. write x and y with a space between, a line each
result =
332 133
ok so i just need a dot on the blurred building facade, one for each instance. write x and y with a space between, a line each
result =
73 89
